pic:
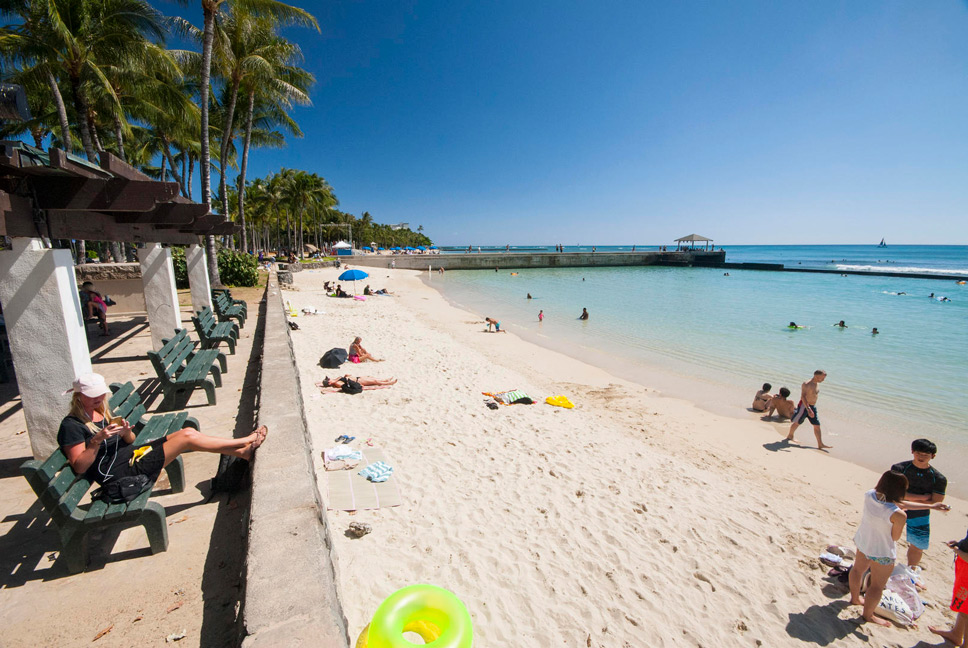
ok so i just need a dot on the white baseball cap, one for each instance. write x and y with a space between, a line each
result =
91 385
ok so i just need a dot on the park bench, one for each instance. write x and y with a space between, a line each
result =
227 308
181 367
236 302
211 333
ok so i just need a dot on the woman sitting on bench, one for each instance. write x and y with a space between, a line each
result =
99 447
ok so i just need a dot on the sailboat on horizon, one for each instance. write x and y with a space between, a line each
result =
882 243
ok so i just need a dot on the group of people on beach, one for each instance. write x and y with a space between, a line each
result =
805 409
902 500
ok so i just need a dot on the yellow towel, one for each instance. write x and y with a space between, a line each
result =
139 453
559 401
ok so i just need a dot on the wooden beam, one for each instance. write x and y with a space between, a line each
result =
94 226
59 160
170 213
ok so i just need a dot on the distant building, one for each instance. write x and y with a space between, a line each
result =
400 226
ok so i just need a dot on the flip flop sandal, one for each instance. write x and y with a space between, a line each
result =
347 439
340 438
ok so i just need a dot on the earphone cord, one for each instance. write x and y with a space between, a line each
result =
100 466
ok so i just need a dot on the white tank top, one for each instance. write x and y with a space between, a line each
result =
873 536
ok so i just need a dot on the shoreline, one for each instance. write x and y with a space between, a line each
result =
629 508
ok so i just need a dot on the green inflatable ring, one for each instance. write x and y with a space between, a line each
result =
434 613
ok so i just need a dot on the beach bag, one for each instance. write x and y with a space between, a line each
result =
231 476
893 608
903 583
350 386
333 358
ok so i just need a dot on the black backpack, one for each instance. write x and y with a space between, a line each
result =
350 386
333 358
232 475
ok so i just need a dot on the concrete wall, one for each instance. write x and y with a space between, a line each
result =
291 596
518 260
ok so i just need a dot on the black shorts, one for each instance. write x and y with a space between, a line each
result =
801 413
149 464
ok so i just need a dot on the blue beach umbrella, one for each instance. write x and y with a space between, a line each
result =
353 275
433 247
420 247
367 247
378 249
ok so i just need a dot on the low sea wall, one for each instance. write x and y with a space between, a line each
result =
519 260
291 592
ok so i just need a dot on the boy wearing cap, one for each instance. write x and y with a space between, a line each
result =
925 484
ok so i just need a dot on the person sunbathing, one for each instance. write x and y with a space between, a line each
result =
358 354
368 382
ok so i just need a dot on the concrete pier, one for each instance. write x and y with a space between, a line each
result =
515 260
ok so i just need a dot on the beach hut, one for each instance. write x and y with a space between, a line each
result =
343 249
692 239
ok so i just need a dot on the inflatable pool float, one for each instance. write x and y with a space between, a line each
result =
432 612
559 401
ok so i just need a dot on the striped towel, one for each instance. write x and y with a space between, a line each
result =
507 397
377 472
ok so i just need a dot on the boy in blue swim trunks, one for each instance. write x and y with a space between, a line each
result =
925 484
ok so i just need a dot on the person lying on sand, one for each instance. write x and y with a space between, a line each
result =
781 405
368 382
762 399
359 354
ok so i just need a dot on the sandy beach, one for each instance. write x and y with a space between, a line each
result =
634 519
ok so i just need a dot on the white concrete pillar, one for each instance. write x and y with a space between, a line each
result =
48 342
196 261
161 298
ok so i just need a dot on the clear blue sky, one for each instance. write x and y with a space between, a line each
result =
603 122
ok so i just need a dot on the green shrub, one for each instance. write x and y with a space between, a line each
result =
234 268
237 268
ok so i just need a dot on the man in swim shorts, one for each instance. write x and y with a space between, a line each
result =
925 484
807 408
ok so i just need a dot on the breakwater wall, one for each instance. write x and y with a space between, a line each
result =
520 260
779 267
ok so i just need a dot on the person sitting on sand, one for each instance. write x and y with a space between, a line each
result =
876 537
493 322
584 313
366 291
762 399
958 635
101 451
781 404
368 382
358 354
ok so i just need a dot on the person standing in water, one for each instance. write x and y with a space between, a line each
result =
807 408
540 315
584 314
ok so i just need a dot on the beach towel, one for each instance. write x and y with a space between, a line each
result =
349 491
512 397
377 472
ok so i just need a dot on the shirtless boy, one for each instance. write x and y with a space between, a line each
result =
782 405
807 408
762 399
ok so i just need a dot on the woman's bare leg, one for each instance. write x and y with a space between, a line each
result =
957 635
189 439
879 575
861 563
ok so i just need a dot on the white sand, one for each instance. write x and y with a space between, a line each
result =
632 520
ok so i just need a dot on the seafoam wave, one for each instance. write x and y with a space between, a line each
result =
906 269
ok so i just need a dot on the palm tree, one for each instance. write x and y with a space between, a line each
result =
282 14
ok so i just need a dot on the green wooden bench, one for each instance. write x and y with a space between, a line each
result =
211 332
126 402
228 293
227 308
60 491
180 367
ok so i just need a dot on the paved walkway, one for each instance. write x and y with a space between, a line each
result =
193 588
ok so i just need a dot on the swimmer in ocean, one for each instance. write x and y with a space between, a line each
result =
584 314
874 331
793 325
840 324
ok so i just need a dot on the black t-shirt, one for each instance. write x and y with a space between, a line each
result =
921 482
73 431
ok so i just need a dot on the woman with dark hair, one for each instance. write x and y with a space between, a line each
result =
876 536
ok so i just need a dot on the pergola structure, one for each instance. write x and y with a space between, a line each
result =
50 195
693 239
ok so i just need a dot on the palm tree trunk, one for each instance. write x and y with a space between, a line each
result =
80 106
191 174
245 163
164 161
65 126
208 11
166 151
185 191
94 136
227 136
116 252
119 135
81 251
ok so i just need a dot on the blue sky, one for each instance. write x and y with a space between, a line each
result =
638 122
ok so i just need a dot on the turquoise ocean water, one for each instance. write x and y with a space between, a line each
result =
713 339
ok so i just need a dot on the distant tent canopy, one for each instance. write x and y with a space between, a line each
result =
342 245
693 239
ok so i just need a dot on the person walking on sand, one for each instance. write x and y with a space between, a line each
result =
876 537
807 408
925 484
584 313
